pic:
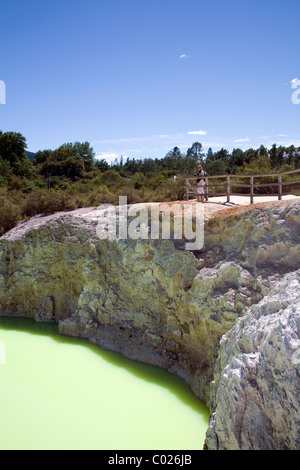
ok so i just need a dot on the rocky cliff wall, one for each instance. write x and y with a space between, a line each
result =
256 388
154 302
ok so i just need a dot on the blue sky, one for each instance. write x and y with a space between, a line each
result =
138 77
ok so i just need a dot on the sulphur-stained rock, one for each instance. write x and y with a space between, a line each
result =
256 398
154 301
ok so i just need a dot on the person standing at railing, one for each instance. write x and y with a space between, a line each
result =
200 184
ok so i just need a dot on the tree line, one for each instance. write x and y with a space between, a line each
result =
76 161
71 177
215 163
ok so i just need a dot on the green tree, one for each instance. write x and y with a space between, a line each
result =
263 150
280 155
273 156
196 152
209 154
69 160
5 171
102 165
86 152
132 166
12 147
236 159
216 167
149 166
290 155
258 165
70 167
41 156
297 158
173 160
249 155
13 150
222 154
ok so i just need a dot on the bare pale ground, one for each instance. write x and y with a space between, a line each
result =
214 207
237 204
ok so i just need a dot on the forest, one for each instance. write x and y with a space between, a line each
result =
71 176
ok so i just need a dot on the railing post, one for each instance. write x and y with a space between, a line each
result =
279 187
251 189
228 188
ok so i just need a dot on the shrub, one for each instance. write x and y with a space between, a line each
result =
10 214
133 195
101 195
15 182
111 178
139 180
44 202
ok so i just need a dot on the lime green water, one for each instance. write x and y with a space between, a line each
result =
63 393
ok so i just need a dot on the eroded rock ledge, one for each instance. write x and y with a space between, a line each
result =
256 391
170 307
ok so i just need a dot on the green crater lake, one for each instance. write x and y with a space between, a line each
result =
61 393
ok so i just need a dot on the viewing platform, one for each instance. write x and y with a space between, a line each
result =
245 189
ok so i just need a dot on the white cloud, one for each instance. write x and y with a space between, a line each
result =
237 141
108 156
183 56
287 143
282 135
111 156
197 133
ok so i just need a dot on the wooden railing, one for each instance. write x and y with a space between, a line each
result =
211 190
